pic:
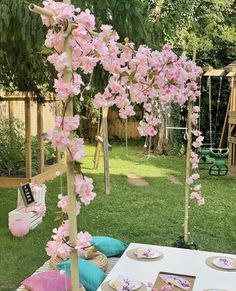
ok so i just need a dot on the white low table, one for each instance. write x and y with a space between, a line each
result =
180 261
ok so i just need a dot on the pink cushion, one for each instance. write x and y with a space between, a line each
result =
48 281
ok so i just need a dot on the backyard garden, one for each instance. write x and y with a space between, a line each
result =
118 145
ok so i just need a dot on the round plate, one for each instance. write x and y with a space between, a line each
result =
122 281
225 263
147 253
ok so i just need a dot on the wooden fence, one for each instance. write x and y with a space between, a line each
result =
117 127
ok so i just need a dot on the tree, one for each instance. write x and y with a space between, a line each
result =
209 26
23 65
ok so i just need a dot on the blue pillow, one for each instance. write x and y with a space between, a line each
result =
109 246
90 275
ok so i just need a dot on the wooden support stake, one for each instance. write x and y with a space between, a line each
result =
58 151
187 187
97 155
40 138
188 165
99 146
224 134
70 173
105 150
28 154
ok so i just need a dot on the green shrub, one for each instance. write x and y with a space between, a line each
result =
12 147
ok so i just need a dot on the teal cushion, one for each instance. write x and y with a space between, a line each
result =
90 275
109 246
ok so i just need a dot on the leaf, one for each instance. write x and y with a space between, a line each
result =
47 51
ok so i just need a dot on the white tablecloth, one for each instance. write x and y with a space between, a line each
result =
180 261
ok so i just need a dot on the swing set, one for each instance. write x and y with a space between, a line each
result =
213 158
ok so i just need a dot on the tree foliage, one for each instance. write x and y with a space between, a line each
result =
23 66
209 26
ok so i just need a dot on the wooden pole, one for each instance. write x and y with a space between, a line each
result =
188 165
187 187
224 134
28 154
40 10
70 173
97 154
105 150
40 138
58 151
70 168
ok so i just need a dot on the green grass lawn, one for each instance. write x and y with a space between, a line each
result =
151 214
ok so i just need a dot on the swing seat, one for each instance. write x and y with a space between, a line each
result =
216 170
205 160
219 168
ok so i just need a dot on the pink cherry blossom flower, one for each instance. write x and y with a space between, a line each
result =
127 111
63 204
77 149
196 109
142 129
192 178
59 139
194 118
87 20
65 90
83 240
166 47
84 187
37 208
62 232
197 187
196 132
198 142
195 176
195 195
68 123
147 107
88 64
55 40
189 181
151 131
201 201
59 61
58 248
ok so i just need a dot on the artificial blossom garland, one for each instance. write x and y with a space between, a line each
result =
143 76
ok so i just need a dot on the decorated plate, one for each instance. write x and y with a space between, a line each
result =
225 263
176 281
124 283
147 253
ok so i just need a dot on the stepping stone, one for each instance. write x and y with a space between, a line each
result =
174 180
137 180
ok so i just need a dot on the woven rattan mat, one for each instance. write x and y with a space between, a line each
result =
209 262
